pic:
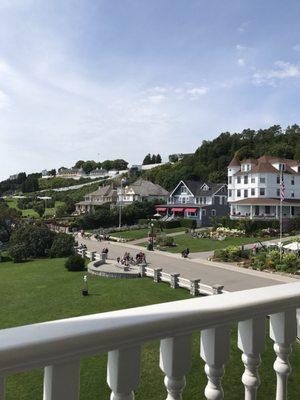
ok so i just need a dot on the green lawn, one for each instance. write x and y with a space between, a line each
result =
141 233
44 290
198 245
49 212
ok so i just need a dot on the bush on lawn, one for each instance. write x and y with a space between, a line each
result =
18 253
75 263
232 253
164 240
188 223
250 227
62 246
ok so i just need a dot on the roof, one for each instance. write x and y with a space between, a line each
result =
195 187
107 190
148 188
266 201
264 165
234 162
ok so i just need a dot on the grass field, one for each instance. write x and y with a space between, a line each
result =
44 290
49 212
198 245
142 233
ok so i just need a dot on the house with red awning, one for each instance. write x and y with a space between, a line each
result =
196 200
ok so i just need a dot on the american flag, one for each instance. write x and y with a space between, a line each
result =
282 189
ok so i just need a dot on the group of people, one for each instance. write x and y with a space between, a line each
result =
104 250
127 259
185 253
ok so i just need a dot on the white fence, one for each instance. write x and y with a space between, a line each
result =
58 346
194 286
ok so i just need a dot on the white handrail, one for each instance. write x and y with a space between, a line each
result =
42 344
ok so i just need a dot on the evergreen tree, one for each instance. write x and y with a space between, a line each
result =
147 159
158 159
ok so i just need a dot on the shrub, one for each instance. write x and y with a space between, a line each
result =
188 223
164 240
62 246
18 253
75 263
290 262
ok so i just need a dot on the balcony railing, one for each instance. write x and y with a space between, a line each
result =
58 346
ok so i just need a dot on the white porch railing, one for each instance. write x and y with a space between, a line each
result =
58 346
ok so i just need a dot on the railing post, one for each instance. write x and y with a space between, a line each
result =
157 275
175 362
218 289
61 381
2 388
215 347
251 340
174 281
123 372
92 255
283 330
195 286
142 268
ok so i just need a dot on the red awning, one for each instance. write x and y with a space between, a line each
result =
161 208
191 210
177 209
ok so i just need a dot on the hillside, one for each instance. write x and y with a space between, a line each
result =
211 159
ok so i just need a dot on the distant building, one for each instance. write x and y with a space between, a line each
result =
46 174
13 177
73 173
254 188
141 190
104 194
196 200
98 173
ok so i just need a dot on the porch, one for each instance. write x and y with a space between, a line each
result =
271 212
58 346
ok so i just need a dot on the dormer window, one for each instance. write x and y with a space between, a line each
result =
205 187
282 167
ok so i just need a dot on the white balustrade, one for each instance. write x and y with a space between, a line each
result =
58 346
123 372
283 330
215 347
175 362
61 381
251 340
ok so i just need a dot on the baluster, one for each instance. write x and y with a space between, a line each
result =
251 340
2 388
61 381
215 347
175 362
123 372
283 330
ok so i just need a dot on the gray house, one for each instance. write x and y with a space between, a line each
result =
197 200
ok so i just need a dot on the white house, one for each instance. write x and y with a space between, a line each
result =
142 190
254 188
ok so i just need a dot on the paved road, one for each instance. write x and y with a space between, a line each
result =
210 273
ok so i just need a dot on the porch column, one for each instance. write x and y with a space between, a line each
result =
251 211
276 208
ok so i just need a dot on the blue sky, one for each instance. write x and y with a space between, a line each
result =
120 78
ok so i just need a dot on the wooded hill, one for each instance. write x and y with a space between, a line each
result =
210 161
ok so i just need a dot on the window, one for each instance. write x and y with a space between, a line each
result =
230 192
238 179
245 180
204 200
267 209
293 181
230 179
183 189
246 193
252 180
278 179
252 192
278 192
262 191
262 179
203 213
292 194
213 212
238 193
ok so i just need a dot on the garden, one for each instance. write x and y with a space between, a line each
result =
43 290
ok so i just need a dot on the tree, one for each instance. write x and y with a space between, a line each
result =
158 159
39 207
9 218
88 166
153 159
52 172
147 160
62 246
120 164
21 178
79 164
61 211
31 184
173 158
107 164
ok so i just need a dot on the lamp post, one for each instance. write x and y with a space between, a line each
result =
151 244
85 290
120 203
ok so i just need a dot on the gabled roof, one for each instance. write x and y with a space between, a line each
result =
107 190
234 162
196 187
264 165
147 188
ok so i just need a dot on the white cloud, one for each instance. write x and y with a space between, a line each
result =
4 100
240 47
159 98
241 62
242 28
282 70
196 92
